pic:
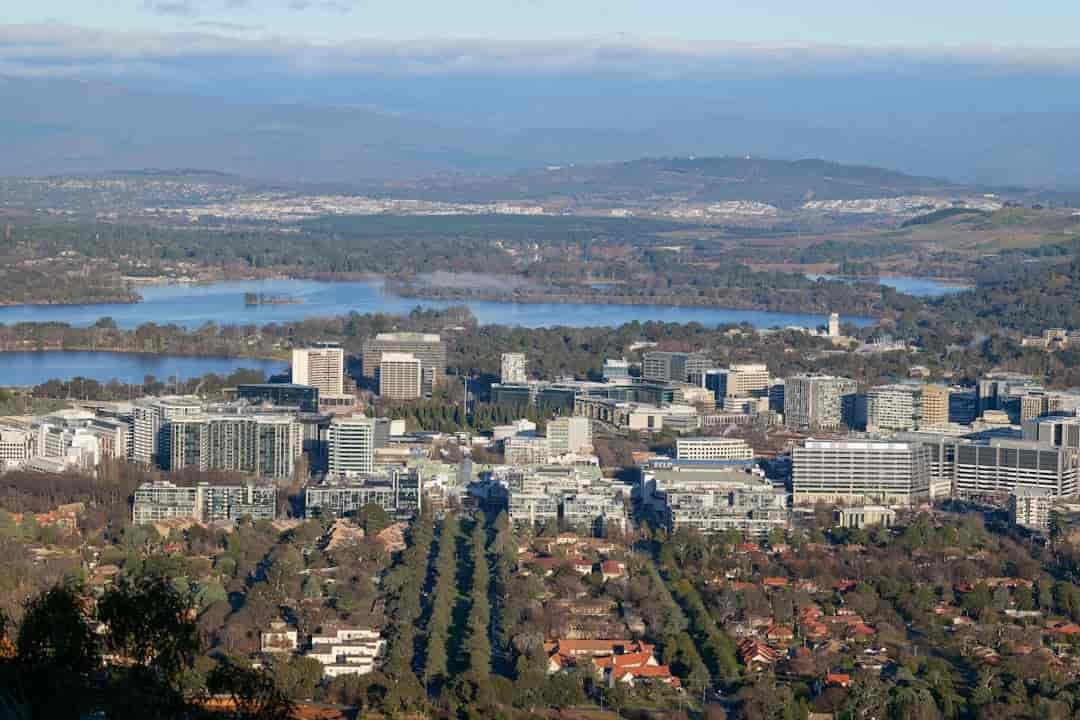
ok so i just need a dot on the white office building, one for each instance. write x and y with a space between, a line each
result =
712 448
857 472
400 376
569 435
513 369
322 366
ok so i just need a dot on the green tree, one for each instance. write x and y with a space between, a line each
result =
254 694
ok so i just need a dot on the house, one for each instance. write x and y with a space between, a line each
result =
280 638
645 674
582 566
612 569
564 653
756 655
780 634
842 680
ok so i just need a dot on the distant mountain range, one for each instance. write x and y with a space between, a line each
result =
61 127
782 183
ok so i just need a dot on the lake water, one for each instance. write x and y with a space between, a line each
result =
223 303
916 286
33 368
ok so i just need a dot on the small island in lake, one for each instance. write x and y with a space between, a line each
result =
252 298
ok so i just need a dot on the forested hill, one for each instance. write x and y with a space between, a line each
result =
1029 300
783 183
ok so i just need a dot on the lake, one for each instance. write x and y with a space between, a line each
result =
191 306
916 286
33 368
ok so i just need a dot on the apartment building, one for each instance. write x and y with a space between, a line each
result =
162 500
428 348
263 444
1030 508
819 402
894 407
350 445
151 418
398 491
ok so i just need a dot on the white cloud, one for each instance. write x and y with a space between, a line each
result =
65 50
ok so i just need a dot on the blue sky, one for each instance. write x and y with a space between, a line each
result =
914 23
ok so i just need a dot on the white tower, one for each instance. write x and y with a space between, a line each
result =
834 325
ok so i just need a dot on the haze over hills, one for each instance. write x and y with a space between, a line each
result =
406 128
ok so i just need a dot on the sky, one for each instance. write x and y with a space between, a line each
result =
915 23
978 90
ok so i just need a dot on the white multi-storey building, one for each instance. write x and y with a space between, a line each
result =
527 450
748 380
400 376
818 401
16 446
348 651
856 472
712 448
894 407
513 369
1030 508
151 418
322 367
351 445
162 500
569 435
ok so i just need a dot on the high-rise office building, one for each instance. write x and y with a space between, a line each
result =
570 435
322 367
673 366
856 472
748 380
834 325
513 369
428 348
935 406
151 417
400 376
819 402
350 445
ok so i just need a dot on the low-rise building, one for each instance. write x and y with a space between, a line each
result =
161 500
712 448
347 651
398 491
861 516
